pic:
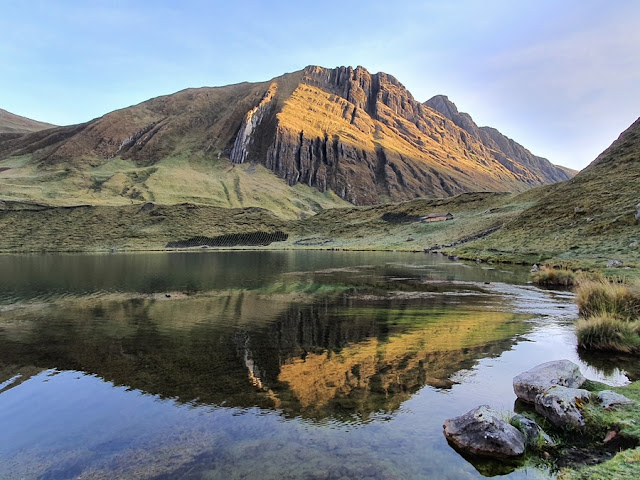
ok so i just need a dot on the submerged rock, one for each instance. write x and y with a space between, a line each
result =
534 435
562 406
533 382
482 431
609 398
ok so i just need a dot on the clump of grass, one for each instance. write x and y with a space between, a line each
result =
550 276
601 297
608 332
610 309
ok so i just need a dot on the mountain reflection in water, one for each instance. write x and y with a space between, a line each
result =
334 358
260 364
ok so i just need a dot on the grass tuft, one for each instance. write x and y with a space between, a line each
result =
601 297
550 276
609 333
610 309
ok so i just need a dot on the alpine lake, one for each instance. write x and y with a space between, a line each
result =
265 364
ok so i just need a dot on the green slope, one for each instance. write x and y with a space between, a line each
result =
173 180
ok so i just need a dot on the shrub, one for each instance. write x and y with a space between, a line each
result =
550 276
603 297
608 332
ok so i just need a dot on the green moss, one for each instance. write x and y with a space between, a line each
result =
626 421
624 466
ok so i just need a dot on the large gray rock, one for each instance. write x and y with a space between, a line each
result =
638 212
482 431
609 399
533 382
534 436
562 406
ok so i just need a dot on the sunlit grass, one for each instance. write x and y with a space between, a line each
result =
618 299
610 311
609 333
550 276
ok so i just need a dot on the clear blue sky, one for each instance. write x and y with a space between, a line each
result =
560 77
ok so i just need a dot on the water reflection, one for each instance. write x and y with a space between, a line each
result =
259 365
334 358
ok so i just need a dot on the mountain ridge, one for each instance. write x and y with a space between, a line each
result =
344 130
10 123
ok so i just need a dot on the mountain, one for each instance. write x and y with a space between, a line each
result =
344 133
12 123
508 152
586 221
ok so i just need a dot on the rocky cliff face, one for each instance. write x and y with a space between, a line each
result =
358 134
365 137
508 152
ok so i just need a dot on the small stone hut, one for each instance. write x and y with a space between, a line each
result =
437 217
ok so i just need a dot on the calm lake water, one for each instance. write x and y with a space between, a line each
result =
263 365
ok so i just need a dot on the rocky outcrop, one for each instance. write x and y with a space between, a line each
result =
609 399
535 437
252 119
563 406
528 385
508 152
482 431
615 264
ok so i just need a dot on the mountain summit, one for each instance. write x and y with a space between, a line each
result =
12 123
344 130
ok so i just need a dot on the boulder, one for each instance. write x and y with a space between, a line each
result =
609 399
562 406
638 212
482 431
534 435
533 382
614 264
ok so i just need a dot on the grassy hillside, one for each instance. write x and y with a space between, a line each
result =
171 181
584 222
589 219
29 227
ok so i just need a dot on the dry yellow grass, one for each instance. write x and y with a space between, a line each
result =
618 298
607 332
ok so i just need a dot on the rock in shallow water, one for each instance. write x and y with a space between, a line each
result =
482 431
562 406
533 382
